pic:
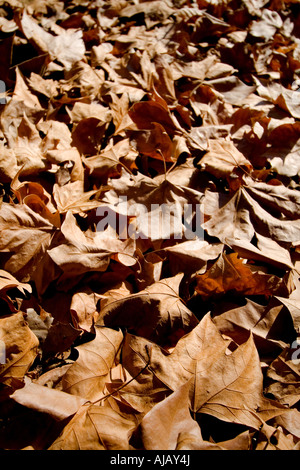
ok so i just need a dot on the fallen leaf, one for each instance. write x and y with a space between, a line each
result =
198 356
88 375
83 310
67 47
230 273
71 197
251 210
26 236
154 143
169 425
8 282
80 252
222 158
163 311
264 321
267 26
226 402
55 403
20 350
283 373
160 210
191 256
96 428
146 113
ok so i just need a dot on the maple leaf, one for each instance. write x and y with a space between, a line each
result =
283 373
20 351
109 162
26 236
23 101
71 197
229 273
160 209
198 356
264 321
184 433
81 252
250 210
222 158
88 375
96 428
163 311
67 47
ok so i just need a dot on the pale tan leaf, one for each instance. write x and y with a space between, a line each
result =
26 236
88 375
55 403
83 309
91 251
169 425
246 213
67 47
217 376
96 428
19 346
222 158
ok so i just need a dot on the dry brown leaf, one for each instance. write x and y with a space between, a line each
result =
8 282
26 236
154 143
27 148
274 438
55 403
232 89
23 101
265 250
96 428
83 310
91 251
20 350
192 256
223 158
156 11
169 425
137 386
146 113
284 375
163 312
110 161
264 321
59 340
67 47
88 375
250 210
71 197
217 376
293 306
157 208
197 70
8 164
289 422
267 26
231 273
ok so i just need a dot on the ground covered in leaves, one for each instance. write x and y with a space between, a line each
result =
122 324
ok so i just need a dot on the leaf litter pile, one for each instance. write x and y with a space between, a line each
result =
117 334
